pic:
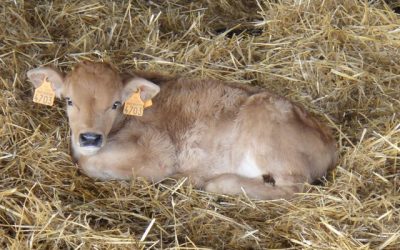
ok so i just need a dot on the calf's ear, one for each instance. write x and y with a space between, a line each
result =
147 88
55 77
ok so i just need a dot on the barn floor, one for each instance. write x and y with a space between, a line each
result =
340 59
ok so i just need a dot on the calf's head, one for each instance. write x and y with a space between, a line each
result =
94 94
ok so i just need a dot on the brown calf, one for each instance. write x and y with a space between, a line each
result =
226 138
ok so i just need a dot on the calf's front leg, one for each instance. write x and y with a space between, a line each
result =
123 161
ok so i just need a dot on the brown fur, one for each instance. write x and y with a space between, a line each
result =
225 138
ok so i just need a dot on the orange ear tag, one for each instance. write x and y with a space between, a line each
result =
134 105
44 94
148 103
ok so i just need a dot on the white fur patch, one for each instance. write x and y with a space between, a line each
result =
87 151
283 105
248 167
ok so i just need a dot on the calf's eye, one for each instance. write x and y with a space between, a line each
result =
116 105
69 102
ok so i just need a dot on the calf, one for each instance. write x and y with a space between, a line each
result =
226 138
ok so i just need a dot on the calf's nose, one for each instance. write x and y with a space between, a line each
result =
90 139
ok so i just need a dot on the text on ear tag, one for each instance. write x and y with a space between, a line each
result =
134 105
44 94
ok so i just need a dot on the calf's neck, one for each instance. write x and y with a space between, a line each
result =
226 138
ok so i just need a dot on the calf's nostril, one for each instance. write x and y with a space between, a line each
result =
90 139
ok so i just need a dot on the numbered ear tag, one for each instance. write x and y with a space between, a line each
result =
44 94
134 105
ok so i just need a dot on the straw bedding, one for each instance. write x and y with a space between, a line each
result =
340 59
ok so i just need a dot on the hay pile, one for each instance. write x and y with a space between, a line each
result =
340 59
